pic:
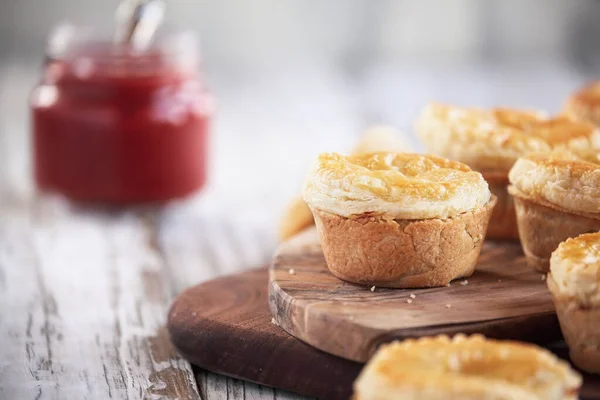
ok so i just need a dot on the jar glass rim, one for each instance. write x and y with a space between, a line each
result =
66 41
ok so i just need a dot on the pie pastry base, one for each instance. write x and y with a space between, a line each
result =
503 224
580 329
374 250
543 226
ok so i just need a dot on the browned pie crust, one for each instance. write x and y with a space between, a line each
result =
377 251
580 328
542 226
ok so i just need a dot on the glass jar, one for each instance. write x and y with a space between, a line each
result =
111 124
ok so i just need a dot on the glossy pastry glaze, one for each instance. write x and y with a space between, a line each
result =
492 140
396 185
566 179
467 368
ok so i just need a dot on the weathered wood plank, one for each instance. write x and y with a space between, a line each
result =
257 392
83 301
218 387
200 248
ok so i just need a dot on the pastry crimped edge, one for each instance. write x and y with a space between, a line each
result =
543 226
375 250
574 284
430 368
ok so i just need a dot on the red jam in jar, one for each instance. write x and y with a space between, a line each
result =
114 125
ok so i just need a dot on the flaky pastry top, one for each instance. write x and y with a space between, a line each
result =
585 103
493 139
575 268
570 180
395 185
467 368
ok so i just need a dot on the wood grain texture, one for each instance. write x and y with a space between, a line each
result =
225 326
84 297
504 299
217 387
230 337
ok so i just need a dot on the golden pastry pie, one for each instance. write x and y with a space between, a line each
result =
490 141
574 282
557 196
398 219
585 103
438 368
298 217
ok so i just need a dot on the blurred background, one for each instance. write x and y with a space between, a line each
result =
296 77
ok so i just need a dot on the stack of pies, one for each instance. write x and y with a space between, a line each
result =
404 220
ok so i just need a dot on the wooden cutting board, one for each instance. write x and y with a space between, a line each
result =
224 326
503 299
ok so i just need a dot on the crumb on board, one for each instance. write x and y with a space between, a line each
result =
408 301
412 296
274 322
464 283
448 284
448 305
292 271
543 277
372 288
499 280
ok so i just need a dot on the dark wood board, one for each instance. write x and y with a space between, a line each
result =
224 326
504 299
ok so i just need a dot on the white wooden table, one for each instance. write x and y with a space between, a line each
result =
84 292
